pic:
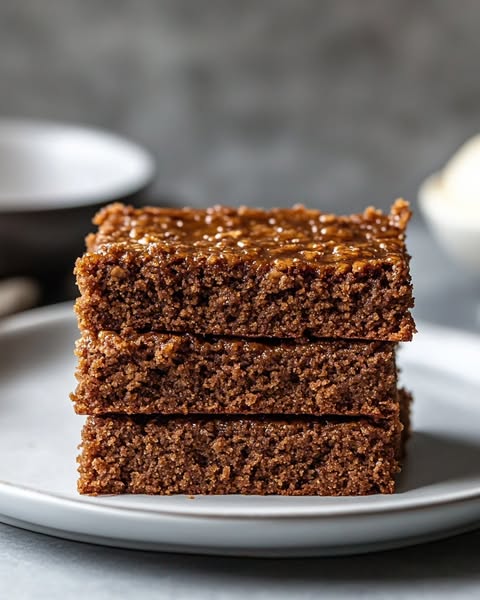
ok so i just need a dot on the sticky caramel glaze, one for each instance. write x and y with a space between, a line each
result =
278 236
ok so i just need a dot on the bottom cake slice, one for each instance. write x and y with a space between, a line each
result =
240 455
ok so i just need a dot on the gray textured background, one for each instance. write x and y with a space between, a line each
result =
336 104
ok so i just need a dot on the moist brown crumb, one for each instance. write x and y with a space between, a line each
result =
239 455
247 272
171 374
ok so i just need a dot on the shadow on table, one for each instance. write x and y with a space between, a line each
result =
436 460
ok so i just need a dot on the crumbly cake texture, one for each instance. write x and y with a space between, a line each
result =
239 455
248 272
405 399
171 374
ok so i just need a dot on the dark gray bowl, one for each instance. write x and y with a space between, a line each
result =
53 178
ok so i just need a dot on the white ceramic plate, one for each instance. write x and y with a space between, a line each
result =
439 490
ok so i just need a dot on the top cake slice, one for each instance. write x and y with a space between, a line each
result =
283 273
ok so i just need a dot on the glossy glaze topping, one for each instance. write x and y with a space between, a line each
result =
295 234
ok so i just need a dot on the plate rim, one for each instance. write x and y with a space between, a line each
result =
64 312
91 505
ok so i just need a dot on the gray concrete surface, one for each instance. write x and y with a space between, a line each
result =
36 567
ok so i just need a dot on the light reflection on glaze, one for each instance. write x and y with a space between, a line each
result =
288 235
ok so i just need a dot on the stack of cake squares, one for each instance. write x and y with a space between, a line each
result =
242 351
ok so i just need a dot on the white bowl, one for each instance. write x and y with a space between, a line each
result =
46 165
53 178
455 224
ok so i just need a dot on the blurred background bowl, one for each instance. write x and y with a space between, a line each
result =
53 178
455 224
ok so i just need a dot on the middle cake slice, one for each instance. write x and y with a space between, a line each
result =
161 373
